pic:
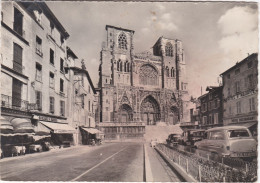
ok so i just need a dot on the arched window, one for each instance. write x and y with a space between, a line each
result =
125 67
148 75
167 71
172 72
121 66
128 67
169 49
122 41
118 65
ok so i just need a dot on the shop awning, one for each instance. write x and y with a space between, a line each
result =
5 125
248 125
41 129
22 125
92 130
59 127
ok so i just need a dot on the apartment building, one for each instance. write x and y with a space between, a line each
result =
240 93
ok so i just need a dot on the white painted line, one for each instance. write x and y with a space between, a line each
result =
97 165
148 171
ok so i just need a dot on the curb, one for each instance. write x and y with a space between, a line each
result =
147 166
179 169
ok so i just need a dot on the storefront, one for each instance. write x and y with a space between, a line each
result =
16 135
61 133
90 134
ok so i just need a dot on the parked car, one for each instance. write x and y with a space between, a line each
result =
231 141
153 142
191 136
173 139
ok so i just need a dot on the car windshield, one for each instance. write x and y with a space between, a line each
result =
238 133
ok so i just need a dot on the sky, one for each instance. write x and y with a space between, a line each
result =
215 35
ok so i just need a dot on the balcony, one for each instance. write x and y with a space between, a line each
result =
14 103
18 104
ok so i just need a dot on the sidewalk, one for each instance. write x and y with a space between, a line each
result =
52 151
158 171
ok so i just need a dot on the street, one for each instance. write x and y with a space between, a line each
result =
117 162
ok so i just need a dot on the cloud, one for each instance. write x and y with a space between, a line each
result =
238 20
160 22
239 33
166 17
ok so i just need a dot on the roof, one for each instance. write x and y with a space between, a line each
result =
209 88
119 28
250 57
228 128
70 52
87 74
160 38
49 14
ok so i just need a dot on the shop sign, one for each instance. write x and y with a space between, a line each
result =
245 119
46 118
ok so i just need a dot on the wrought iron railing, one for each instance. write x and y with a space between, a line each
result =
16 103
205 170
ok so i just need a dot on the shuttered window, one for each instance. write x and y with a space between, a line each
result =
51 56
62 108
39 100
18 22
52 105
16 93
61 85
38 72
61 65
17 58
52 80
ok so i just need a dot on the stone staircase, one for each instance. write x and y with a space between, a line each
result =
160 132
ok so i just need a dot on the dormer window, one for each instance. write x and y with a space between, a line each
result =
122 41
38 16
168 50
52 26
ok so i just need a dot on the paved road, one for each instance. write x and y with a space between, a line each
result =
117 162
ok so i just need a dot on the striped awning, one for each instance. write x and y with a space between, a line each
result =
5 125
22 125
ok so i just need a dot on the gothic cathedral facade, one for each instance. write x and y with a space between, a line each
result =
139 89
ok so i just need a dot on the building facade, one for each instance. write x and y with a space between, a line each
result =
36 85
240 93
194 115
83 100
139 89
211 108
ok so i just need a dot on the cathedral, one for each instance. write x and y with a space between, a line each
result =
140 89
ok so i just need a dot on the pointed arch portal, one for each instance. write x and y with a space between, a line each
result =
150 111
174 115
125 114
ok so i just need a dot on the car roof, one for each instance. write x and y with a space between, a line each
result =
227 128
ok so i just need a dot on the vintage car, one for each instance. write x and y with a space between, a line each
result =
173 139
231 141
191 136
153 142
